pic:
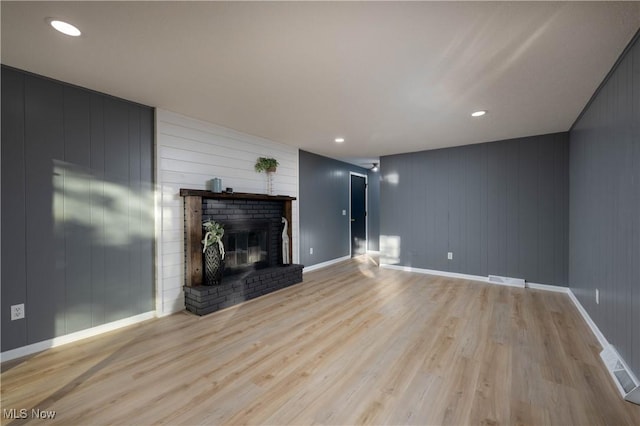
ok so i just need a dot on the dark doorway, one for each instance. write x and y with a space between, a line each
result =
358 215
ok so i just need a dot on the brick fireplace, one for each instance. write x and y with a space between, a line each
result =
248 218
253 241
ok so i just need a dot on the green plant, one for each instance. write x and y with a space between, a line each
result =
214 232
264 164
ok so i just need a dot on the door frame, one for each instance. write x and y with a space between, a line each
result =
366 210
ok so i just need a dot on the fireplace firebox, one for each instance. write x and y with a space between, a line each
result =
246 247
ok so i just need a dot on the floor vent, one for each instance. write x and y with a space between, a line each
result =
622 376
514 282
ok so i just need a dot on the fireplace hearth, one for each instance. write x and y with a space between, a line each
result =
202 300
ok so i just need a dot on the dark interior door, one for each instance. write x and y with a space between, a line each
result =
358 216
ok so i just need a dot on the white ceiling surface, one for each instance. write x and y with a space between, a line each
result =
389 77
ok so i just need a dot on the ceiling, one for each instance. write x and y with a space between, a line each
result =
389 77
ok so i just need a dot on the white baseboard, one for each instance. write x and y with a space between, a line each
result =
547 287
374 252
435 272
592 325
73 337
325 264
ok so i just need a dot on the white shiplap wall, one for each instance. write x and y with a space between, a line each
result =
189 153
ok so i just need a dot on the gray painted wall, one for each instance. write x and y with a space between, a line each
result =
323 194
605 207
77 215
373 219
500 207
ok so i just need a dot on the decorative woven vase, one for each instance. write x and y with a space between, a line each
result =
213 265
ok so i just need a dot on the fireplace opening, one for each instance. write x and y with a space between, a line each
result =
246 247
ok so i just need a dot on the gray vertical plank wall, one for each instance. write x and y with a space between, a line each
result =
98 249
77 187
45 254
14 269
500 207
323 194
373 217
605 207
77 246
634 291
117 265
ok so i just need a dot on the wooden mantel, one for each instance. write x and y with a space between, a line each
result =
193 225
233 195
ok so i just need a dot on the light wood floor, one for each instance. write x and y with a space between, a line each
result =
353 344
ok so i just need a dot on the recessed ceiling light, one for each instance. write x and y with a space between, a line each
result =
339 140
65 27
478 113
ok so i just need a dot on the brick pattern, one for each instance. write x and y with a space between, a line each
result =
247 211
203 300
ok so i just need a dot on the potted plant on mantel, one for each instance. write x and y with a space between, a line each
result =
213 250
265 164
268 165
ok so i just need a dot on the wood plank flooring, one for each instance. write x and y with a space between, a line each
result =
352 344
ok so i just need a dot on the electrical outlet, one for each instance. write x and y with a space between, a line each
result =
17 312
344 212
597 296
310 250
450 255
